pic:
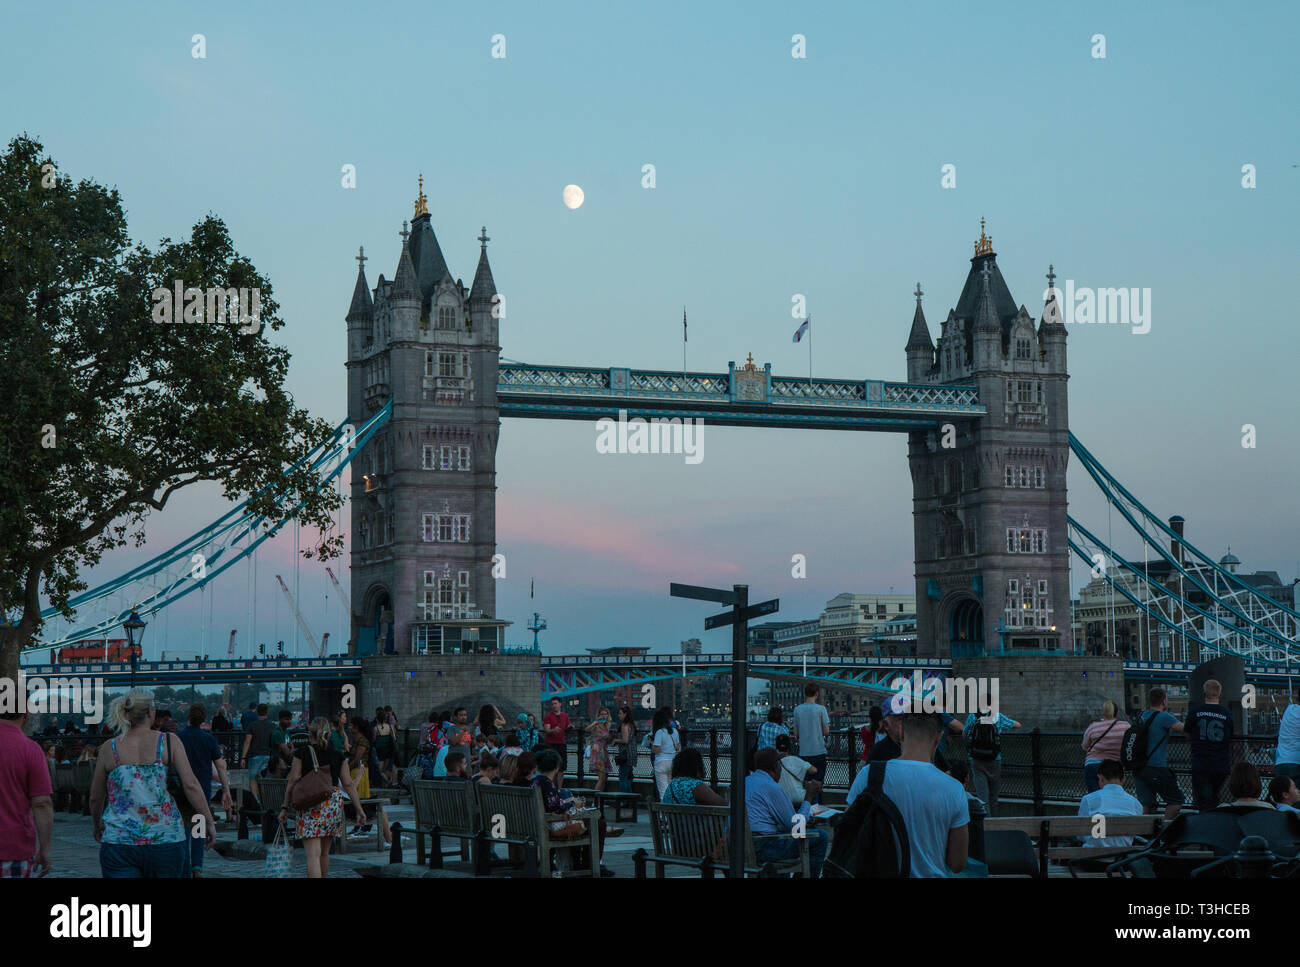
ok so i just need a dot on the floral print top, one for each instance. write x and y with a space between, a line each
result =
140 811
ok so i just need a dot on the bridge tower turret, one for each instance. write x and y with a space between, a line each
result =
920 350
424 487
989 497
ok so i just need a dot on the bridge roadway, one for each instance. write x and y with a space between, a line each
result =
579 674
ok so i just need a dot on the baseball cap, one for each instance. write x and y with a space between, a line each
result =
898 704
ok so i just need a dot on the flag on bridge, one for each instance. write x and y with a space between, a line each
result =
798 333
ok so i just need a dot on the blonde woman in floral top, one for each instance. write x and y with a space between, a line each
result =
598 757
136 822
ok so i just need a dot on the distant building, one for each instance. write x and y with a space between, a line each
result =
707 696
762 637
800 638
589 703
864 626
1108 622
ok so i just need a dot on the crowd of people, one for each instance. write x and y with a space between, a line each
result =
155 783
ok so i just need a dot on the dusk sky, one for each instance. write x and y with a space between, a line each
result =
775 176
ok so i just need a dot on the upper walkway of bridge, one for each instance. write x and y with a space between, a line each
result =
742 396
582 673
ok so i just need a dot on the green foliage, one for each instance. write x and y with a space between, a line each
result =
135 410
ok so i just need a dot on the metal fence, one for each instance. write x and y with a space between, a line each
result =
1038 768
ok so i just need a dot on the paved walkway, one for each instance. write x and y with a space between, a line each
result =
75 853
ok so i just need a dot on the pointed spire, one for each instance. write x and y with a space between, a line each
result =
1052 307
404 284
984 244
362 307
920 335
421 201
484 288
986 316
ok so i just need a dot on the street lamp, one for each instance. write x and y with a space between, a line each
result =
134 633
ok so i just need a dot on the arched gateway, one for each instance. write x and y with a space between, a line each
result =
984 409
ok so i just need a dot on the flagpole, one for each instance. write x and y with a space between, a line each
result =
683 347
810 389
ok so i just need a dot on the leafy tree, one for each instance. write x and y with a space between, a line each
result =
109 412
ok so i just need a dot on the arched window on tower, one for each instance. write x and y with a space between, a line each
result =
954 476
446 317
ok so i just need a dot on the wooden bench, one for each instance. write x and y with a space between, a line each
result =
519 815
1044 828
620 801
696 836
443 808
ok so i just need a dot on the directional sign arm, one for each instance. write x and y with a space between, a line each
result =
753 611
718 620
702 594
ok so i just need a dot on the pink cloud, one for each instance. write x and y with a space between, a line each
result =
603 542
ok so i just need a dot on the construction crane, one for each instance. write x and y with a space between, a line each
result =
302 622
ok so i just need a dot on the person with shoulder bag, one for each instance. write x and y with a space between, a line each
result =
1102 740
314 791
625 758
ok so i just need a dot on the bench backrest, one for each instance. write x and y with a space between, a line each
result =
1075 825
694 832
449 805
520 807
271 792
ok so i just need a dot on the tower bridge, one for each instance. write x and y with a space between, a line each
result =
984 407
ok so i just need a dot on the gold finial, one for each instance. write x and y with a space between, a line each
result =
985 244
421 202
749 363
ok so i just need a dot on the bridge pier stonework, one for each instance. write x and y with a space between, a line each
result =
415 685
1049 692
989 495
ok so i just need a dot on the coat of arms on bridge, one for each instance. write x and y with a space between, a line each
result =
749 383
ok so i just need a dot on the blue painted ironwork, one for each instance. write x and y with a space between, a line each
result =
197 671
740 397
169 576
579 674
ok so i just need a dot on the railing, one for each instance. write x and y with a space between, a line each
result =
1038 768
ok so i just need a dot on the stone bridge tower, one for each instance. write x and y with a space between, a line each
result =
423 491
989 497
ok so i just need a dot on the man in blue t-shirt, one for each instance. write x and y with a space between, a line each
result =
202 751
1209 733
1156 779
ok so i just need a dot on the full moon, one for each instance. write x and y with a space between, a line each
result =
573 196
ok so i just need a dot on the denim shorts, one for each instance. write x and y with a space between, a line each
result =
257 765
120 861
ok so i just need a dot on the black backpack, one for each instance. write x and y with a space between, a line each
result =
1133 753
985 742
871 838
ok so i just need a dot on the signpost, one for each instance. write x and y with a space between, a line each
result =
738 617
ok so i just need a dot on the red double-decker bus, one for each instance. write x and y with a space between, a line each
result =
95 649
